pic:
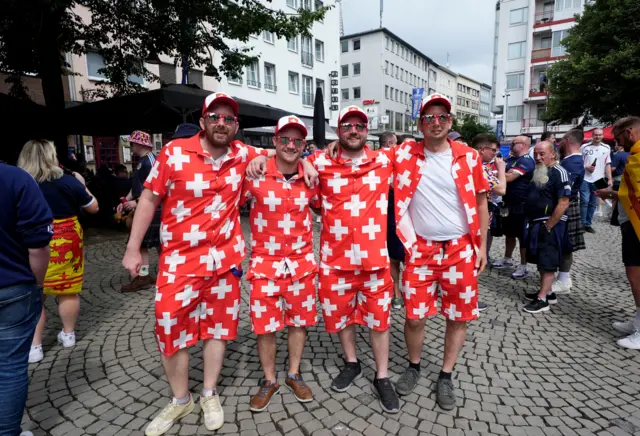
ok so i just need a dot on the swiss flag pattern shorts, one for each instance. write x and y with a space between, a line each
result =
288 301
355 297
448 267
189 309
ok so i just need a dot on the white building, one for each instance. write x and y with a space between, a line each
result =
447 84
485 104
468 98
527 42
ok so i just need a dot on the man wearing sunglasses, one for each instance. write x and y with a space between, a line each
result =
198 180
520 166
442 218
283 268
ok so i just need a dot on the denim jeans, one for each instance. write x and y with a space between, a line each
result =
20 309
588 202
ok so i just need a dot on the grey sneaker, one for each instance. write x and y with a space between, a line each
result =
445 394
408 382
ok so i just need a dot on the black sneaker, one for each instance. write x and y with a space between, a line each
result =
482 306
537 306
350 373
589 229
445 394
407 382
551 298
383 390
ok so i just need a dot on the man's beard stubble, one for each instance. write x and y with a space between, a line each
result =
540 175
215 143
344 144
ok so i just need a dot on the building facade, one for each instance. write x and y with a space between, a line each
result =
485 104
527 41
468 98
447 85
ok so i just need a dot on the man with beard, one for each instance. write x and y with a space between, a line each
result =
597 164
283 269
627 133
547 202
198 180
572 163
519 170
442 218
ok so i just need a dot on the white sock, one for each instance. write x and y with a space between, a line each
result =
68 334
564 277
636 322
182 401
208 392
144 270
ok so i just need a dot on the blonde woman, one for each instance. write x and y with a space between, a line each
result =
66 195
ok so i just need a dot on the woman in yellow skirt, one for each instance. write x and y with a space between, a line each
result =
66 195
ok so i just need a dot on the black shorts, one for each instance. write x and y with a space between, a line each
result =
394 245
630 245
548 252
513 225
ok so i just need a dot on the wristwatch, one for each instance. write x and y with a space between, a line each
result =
610 194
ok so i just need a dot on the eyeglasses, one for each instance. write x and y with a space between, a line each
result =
491 149
442 118
285 140
348 126
215 118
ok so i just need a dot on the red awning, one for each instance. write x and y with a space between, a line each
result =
608 134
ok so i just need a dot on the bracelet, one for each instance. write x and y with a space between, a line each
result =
547 227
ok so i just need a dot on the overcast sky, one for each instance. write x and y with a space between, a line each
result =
463 28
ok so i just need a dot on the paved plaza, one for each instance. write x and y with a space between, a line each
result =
555 373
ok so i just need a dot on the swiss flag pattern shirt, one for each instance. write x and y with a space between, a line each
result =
468 174
281 234
354 194
200 232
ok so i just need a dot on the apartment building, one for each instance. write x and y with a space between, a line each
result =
468 98
485 104
527 41
447 84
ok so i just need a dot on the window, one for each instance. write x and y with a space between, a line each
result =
562 5
386 67
194 77
556 48
389 117
518 16
386 42
319 50
407 119
268 37
356 93
292 4
386 92
397 95
307 91
402 74
397 72
515 81
356 44
345 93
305 51
305 4
292 44
320 84
235 81
319 4
294 79
514 113
344 46
95 62
398 126
270 77
344 70
391 93
253 75
356 69
167 72
516 50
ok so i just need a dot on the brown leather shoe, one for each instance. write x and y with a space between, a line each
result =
138 284
299 388
262 398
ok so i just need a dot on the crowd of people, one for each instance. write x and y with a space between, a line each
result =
408 226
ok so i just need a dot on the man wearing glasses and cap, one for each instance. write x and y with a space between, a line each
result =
199 181
283 269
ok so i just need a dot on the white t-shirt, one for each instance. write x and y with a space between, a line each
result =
436 209
601 154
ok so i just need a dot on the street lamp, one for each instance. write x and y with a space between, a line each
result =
505 112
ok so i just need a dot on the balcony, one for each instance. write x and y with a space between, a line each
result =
544 18
270 87
540 54
253 84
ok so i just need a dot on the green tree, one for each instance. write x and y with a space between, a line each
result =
469 128
35 36
601 76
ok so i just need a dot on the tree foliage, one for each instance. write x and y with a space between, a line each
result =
469 128
601 76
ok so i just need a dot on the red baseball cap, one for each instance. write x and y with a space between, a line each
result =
291 120
353 110
220 97
435 98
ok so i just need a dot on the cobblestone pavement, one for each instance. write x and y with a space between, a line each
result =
557 373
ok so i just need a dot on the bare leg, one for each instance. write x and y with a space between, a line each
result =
380 346
213 355
296 338
567 262
348 340
546 280
267 353
523 255
37 337
633 275
395 276
176 367
453 341
510 245
69 309
414 338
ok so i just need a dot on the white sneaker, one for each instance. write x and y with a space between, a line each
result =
520 272
168 416
626 328
36 354
213 413
502 263
67 340
631 342
561 287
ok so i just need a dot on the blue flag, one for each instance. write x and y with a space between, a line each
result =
416 99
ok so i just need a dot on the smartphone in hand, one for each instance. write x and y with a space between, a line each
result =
601 184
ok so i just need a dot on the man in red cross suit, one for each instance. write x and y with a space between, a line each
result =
442 220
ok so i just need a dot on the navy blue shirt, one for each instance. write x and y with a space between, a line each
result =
574 164
518 189
542 200
619 161
66 196
140 176
25 222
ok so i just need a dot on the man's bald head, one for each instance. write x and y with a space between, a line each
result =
520 145
598 136
544 153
